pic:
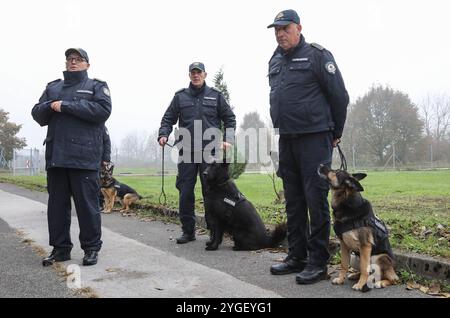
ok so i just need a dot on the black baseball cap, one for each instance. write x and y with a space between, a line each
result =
78 51
285 17
197 66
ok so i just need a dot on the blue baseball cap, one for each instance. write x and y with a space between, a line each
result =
285 17
78 51
197 66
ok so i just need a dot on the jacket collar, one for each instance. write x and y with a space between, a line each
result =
72 78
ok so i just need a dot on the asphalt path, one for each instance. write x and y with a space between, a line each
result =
140 258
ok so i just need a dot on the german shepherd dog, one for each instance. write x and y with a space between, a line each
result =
227 210
114 191
359 231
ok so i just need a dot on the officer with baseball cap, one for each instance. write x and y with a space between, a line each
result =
202 104
75 110
308 105
284 18
82 53
197 66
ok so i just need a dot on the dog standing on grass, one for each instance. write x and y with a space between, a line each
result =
115 191
359 231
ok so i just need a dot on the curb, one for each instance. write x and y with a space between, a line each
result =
425 266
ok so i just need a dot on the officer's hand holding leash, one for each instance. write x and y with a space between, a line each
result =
336 142
225 145
162 141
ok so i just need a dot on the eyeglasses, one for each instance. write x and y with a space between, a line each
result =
77 59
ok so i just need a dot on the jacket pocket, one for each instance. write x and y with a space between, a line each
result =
187 111
209 108
48 142
273 76
300 73
83 149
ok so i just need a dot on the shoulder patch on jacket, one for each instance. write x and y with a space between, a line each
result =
99 80
55 81
317 46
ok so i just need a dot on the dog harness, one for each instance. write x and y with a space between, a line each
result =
368 219
234 201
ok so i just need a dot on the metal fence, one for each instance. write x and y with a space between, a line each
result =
27 162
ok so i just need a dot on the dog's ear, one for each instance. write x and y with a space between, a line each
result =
354 184
359 176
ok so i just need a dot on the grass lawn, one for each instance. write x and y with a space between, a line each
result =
412 203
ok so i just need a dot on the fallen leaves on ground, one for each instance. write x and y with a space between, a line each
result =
432 290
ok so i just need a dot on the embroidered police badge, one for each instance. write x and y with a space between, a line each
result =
106 91
330 67
279 16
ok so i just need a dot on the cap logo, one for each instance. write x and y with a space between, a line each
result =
279 16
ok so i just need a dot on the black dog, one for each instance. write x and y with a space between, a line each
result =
227 210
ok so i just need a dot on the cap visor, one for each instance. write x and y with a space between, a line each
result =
196 68
72 50
279 23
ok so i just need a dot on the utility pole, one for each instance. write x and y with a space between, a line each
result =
14 162
431 155
354 157
393 155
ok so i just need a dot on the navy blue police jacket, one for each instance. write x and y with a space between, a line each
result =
74 135
206 105
106 145
307 92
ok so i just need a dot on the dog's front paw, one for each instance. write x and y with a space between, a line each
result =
338 281
211 247
358 286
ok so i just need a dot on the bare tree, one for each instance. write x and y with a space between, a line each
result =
436 113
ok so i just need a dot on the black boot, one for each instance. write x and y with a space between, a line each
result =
185 237
312 274
90 258
56 256
289 265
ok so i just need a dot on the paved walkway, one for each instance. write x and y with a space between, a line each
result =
141 259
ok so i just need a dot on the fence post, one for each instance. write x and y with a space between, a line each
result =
14 162
30 164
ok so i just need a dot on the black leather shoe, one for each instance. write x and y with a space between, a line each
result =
312 274
90 258
289 265
185 237
56 256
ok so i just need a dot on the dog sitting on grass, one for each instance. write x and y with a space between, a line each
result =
115 191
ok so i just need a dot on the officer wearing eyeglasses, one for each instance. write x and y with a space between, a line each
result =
75 110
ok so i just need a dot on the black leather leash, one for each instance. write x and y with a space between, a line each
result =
343 160
163 193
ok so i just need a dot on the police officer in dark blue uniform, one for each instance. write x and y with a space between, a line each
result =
196 106
75 110
308 104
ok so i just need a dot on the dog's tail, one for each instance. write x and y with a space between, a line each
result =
278 235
